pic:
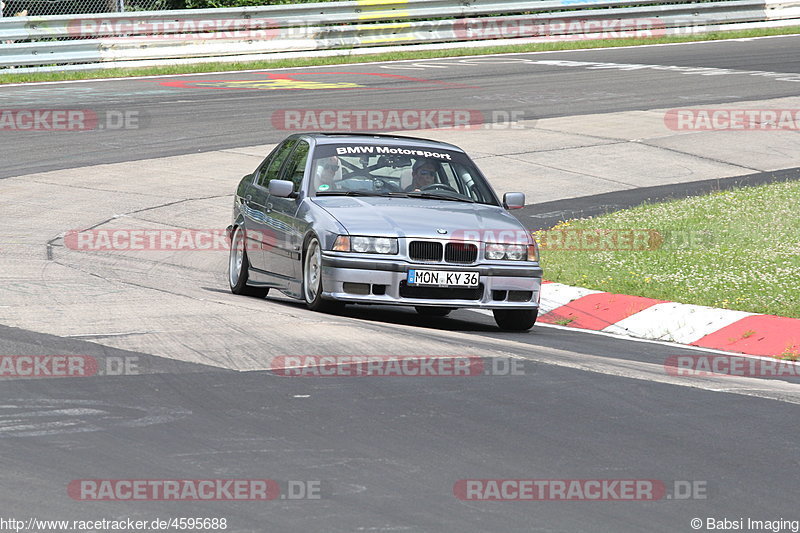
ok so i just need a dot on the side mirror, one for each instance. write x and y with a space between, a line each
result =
514 200
281 188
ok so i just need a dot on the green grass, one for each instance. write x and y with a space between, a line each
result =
385 56
735 249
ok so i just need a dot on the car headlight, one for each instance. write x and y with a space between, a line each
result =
360 244
366 245
517 252
511 252
384 245
495 251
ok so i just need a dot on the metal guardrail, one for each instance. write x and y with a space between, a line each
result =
167 35
283 16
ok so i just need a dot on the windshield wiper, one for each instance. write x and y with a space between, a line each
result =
362 193
440 197
346 193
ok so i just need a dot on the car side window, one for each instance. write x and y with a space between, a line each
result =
296 166
270 169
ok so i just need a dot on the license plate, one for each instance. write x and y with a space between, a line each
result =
443 278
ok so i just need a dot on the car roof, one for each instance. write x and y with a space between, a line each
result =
374 138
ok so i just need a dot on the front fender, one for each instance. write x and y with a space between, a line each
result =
319 222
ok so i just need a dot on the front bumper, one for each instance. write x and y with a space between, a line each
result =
383 281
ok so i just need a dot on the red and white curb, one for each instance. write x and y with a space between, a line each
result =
646 318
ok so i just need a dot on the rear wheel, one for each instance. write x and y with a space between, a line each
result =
433 311
312 280
239 268
515 319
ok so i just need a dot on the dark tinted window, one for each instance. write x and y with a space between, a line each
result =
270 168
296 166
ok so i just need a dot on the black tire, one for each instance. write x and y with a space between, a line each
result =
239 268
433 311
312 280
515 319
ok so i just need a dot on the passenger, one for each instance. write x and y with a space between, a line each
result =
328 172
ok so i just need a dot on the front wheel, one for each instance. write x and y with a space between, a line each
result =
312 280
239 268
515 319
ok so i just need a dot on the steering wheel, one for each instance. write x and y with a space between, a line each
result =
439 187
359 173
380 184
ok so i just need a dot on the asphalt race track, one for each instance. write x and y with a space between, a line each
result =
194 120
200 402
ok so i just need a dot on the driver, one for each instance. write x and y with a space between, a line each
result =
423 174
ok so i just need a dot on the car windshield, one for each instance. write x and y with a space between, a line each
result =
373 169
